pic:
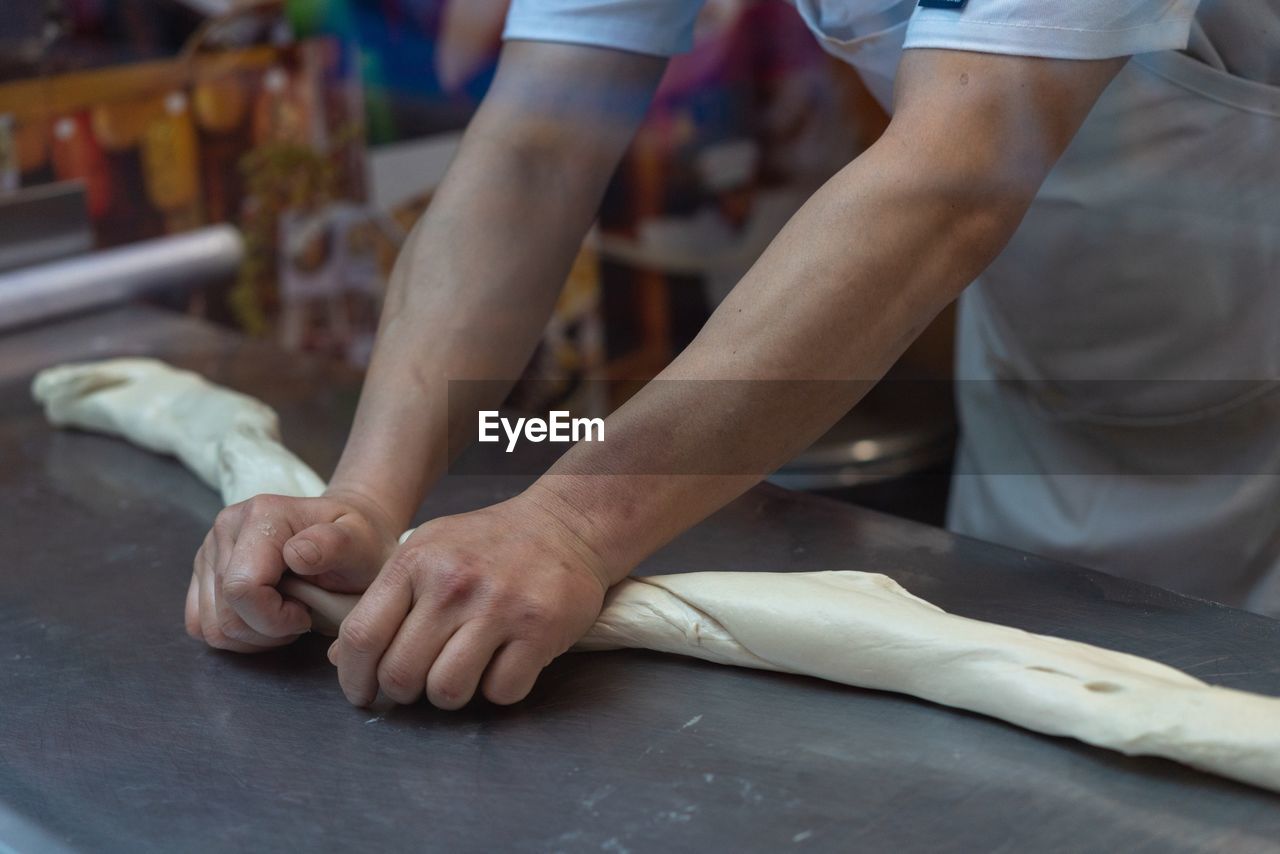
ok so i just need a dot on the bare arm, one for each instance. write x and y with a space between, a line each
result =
473 288
484 600
868 261
469 297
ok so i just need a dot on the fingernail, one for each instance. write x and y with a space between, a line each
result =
306 550
333 653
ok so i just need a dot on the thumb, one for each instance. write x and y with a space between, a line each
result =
334 556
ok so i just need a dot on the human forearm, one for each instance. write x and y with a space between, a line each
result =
801 338
850 281
474 285
484 600
451 313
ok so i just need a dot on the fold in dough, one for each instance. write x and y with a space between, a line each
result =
858 628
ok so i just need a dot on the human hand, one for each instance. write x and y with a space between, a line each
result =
480 600
337 542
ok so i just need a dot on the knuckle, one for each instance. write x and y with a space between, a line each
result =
399 681
434 528
259 504
402 567
357 636
230 626
225 520
454 582
216 639
260 507
236 588
531 617
447 692
446 578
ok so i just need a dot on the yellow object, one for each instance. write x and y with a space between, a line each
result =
220 104
169 159
119 125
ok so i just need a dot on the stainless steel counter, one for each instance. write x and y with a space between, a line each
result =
119 733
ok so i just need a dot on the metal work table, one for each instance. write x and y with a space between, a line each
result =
117 732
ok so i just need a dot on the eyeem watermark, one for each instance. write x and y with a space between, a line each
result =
559 427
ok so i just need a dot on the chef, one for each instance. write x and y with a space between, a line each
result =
1100 179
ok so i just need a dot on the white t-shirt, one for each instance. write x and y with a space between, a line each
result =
1070 29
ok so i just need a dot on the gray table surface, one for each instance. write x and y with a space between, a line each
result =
119 733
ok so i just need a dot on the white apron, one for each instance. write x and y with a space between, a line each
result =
1119 363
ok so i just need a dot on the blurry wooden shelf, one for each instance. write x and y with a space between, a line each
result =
65 93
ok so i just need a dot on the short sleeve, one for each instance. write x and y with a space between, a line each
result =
1057 29
654 27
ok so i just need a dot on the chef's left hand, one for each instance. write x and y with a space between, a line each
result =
480 600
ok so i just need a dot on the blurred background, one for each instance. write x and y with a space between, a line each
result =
257 165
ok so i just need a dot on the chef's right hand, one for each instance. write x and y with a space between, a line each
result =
338 542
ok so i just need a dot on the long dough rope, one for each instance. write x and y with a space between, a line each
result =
858 628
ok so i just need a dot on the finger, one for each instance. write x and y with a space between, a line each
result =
209 628
402 672
328 609
252 571
208 614
347 555
367 632
229 518
453 678
319 548
191 612
229 625
234 630
514 670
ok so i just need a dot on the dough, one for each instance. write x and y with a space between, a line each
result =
858 628
230 440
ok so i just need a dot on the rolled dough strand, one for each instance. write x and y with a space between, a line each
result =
229 440
865 630
858 628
